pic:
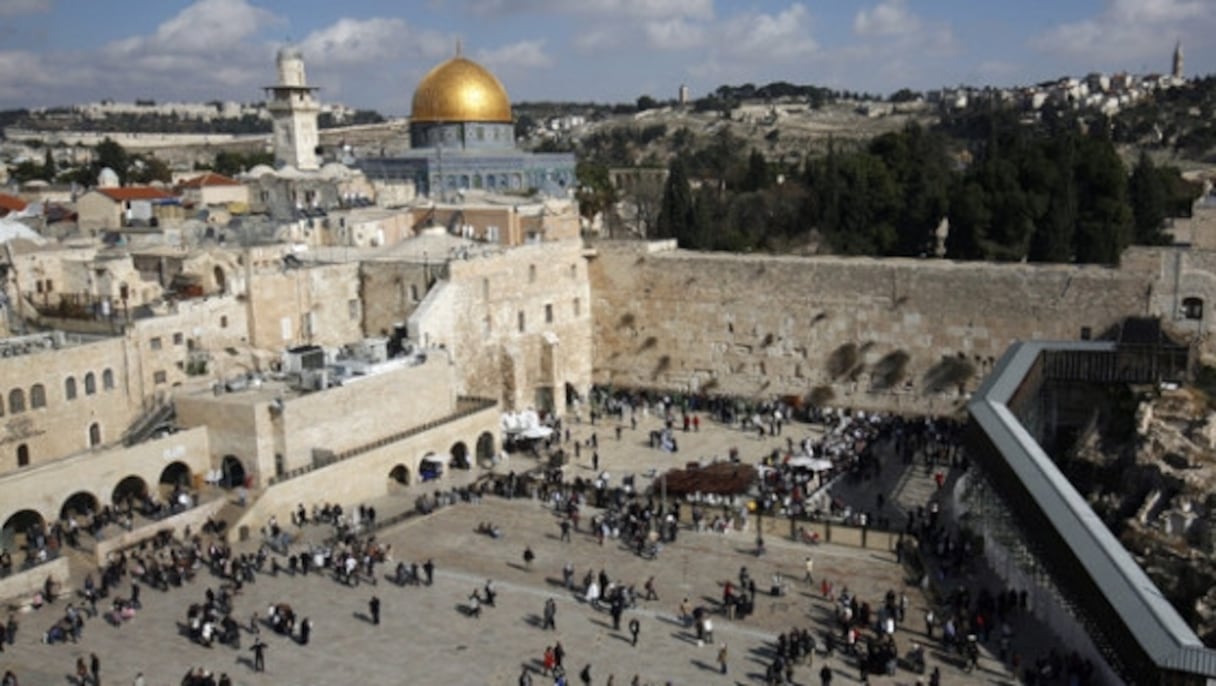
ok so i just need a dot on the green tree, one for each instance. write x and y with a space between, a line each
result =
969 220
1147 192
677 215
48 166
646 102
107 153
148 169
596 193
757 177
1104 218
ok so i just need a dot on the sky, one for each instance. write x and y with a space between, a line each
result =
371 53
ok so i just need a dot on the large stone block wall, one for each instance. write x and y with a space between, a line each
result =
318 305
763 326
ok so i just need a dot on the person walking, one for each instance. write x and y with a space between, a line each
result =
305 631
722 658
635 627
550 615
825 676
651 593
373 607
810 571
259 655
429 569
585 675
529 555
95 668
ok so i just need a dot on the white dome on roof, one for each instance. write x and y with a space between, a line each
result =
260 170
335 170
107 178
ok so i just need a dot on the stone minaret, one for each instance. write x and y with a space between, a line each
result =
295 113
1178 60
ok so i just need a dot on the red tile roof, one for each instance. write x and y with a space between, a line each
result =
11 203
210 179
135 193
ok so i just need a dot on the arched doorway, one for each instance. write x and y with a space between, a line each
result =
460 456
221 281
131 488
485 450
431 467
80 503
174 475
400 475
232 472
23 530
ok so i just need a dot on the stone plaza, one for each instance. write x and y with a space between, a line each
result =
425 637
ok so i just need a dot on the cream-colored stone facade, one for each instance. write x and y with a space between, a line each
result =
65 400
272 429
518 323
306 304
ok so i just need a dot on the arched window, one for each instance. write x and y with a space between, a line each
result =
90 384
1192 308
107 379
37 396
23 455
16 401
94 434
69 388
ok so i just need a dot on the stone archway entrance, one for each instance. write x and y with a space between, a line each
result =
23 529
399 476
232 472
131 488
460 456
79 503
177 474
485 450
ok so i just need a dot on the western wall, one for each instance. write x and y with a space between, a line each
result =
877 332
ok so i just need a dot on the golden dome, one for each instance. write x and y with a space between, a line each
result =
460 90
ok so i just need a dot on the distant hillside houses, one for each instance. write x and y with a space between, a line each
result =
1104 93
203 111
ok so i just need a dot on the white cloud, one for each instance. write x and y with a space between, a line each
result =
14 8
526 54
359 41
674 34
769 37
645 9
889 18
1129 30
205 26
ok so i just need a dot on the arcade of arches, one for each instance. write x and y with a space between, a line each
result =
458 457
82 503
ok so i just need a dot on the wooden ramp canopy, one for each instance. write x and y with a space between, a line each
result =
722 478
